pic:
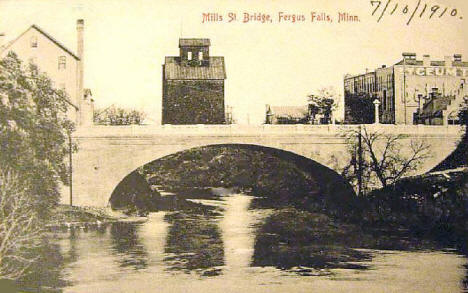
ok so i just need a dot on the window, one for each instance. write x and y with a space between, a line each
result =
62 62
189 56
200 55
33 42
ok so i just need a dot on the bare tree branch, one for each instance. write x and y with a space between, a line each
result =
385 156
20 230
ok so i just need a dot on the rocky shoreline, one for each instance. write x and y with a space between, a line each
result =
71 217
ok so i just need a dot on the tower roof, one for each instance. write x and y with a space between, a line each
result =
194 42
174 70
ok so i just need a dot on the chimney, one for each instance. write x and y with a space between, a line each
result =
409 56
80 47
426 60
79 30
457 57
448 61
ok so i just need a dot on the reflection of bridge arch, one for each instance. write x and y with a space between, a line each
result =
329 182
107 154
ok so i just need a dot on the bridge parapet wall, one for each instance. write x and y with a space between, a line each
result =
234 129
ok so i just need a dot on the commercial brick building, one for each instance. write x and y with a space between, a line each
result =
409 86
193 85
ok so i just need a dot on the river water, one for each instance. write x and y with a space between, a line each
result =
219 251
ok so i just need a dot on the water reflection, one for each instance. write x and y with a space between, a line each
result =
270 251
153 234
127 244
72 253
47 274
194 243
237 230
98 258
464 283
236 244
306 243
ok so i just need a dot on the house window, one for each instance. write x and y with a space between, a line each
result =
33 42
189 56
62 62
200 55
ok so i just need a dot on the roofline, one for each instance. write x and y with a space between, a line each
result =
195 39
55 41
351 76
224 70
179 57
196 78
60 45
69 102
2 49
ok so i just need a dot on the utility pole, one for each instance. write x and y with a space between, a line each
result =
70 163
404 88
359 171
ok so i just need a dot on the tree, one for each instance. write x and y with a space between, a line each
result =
463 112
359 108
384 157
34 131
20 229
325 102
118 116
459 157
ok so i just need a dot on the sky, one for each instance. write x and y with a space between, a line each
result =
277 63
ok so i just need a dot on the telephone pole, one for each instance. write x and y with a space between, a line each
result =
70 170
359 171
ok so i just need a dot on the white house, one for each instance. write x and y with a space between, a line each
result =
63 67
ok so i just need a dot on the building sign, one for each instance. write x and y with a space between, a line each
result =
435 71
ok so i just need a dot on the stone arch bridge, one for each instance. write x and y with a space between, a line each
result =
106 154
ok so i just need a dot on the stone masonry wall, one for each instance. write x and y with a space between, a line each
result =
193 102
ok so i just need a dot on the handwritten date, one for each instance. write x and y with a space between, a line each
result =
389 7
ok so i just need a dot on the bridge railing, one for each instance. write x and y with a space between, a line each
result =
238 129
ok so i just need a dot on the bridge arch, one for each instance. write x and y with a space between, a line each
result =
107 155
331 184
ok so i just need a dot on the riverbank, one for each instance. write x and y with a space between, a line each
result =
432 206
65 216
